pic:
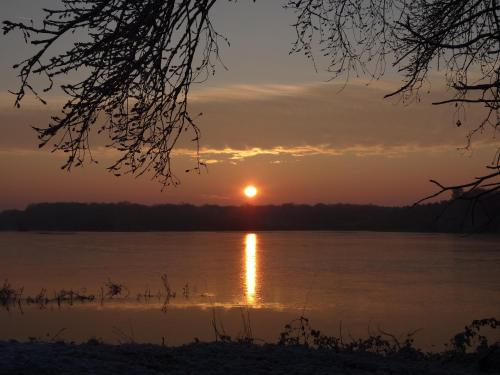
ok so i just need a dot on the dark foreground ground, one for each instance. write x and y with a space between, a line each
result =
218 358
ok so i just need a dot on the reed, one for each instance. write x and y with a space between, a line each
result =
471 343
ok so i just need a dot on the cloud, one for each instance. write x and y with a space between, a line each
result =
278 153
244 121
259 92
268 116
242 92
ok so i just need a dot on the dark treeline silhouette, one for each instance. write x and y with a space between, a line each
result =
456 216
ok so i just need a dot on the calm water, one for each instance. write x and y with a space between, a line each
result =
360 280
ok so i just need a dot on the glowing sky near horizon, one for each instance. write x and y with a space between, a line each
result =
270 119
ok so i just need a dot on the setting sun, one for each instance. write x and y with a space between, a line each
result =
250 191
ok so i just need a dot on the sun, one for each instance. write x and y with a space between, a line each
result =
250 191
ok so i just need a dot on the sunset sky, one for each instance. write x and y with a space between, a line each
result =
270 120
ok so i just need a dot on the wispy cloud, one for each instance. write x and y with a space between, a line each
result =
228 154
248 92
292 121
256 92
214 155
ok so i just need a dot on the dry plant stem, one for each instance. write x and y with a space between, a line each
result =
472 339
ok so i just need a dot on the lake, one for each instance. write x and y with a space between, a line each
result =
354 283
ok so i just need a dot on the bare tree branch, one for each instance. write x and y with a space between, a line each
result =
461 37
139 60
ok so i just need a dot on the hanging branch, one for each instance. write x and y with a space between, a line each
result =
139 59
461 37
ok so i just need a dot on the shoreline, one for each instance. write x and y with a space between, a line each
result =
226 358
299 350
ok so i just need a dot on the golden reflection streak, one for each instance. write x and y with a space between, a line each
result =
250 267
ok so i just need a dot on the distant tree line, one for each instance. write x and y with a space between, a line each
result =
434 217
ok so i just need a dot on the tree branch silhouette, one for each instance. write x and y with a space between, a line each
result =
460 37
140 58
139 61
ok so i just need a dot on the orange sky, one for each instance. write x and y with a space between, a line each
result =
281 128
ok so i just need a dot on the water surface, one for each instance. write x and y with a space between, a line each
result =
360 281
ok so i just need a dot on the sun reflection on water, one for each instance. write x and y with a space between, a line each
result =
250 267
